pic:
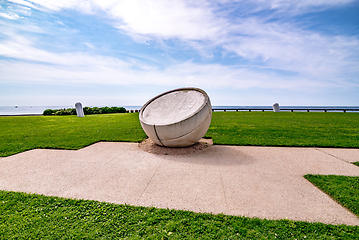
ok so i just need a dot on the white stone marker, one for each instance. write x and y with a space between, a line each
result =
276 107
177 118
79 110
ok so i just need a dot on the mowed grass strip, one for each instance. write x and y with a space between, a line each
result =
18 134
343 189
296 129
32 216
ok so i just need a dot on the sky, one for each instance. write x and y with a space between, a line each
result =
125 52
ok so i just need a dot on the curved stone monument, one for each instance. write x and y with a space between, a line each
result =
276 107
177 118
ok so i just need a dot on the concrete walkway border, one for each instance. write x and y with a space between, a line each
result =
264 182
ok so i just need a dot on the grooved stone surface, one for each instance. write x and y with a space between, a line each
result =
173 107
264 182
177 118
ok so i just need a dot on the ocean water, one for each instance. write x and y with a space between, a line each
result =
24 110
29 110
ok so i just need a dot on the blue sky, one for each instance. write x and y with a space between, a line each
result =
121 53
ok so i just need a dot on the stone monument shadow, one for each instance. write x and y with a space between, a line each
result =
202 153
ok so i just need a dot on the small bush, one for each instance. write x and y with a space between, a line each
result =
87 111
69 111
58 112
96 110
47 112
105 110
121 110
113 109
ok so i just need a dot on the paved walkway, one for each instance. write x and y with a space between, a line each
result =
264 182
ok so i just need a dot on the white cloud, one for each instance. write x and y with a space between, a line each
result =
167 19
157 18
202 20
39 66
289 7
25 3
89 45
186 19
284 47
10 16
275 46
23 48
276 4
81 5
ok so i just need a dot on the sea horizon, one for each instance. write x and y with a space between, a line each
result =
37 110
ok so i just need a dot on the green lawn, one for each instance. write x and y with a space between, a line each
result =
301 129
18 134
343 189
31 216
27 216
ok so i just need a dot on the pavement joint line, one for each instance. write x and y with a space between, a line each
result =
144 190
222 183
224 191
331 155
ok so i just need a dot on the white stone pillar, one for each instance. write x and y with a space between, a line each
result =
79 110
276 107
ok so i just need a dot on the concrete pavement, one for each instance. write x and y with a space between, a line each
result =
264 182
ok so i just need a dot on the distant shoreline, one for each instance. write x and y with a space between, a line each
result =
8 111
21 115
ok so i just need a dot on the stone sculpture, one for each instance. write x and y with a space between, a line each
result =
276 107
177 118
79 110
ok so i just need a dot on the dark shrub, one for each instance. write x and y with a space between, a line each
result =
113 109
59 112
69 111
87 110
105 110
96 110
121 110
47 112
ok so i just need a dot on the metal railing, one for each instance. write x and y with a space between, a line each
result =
289 109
